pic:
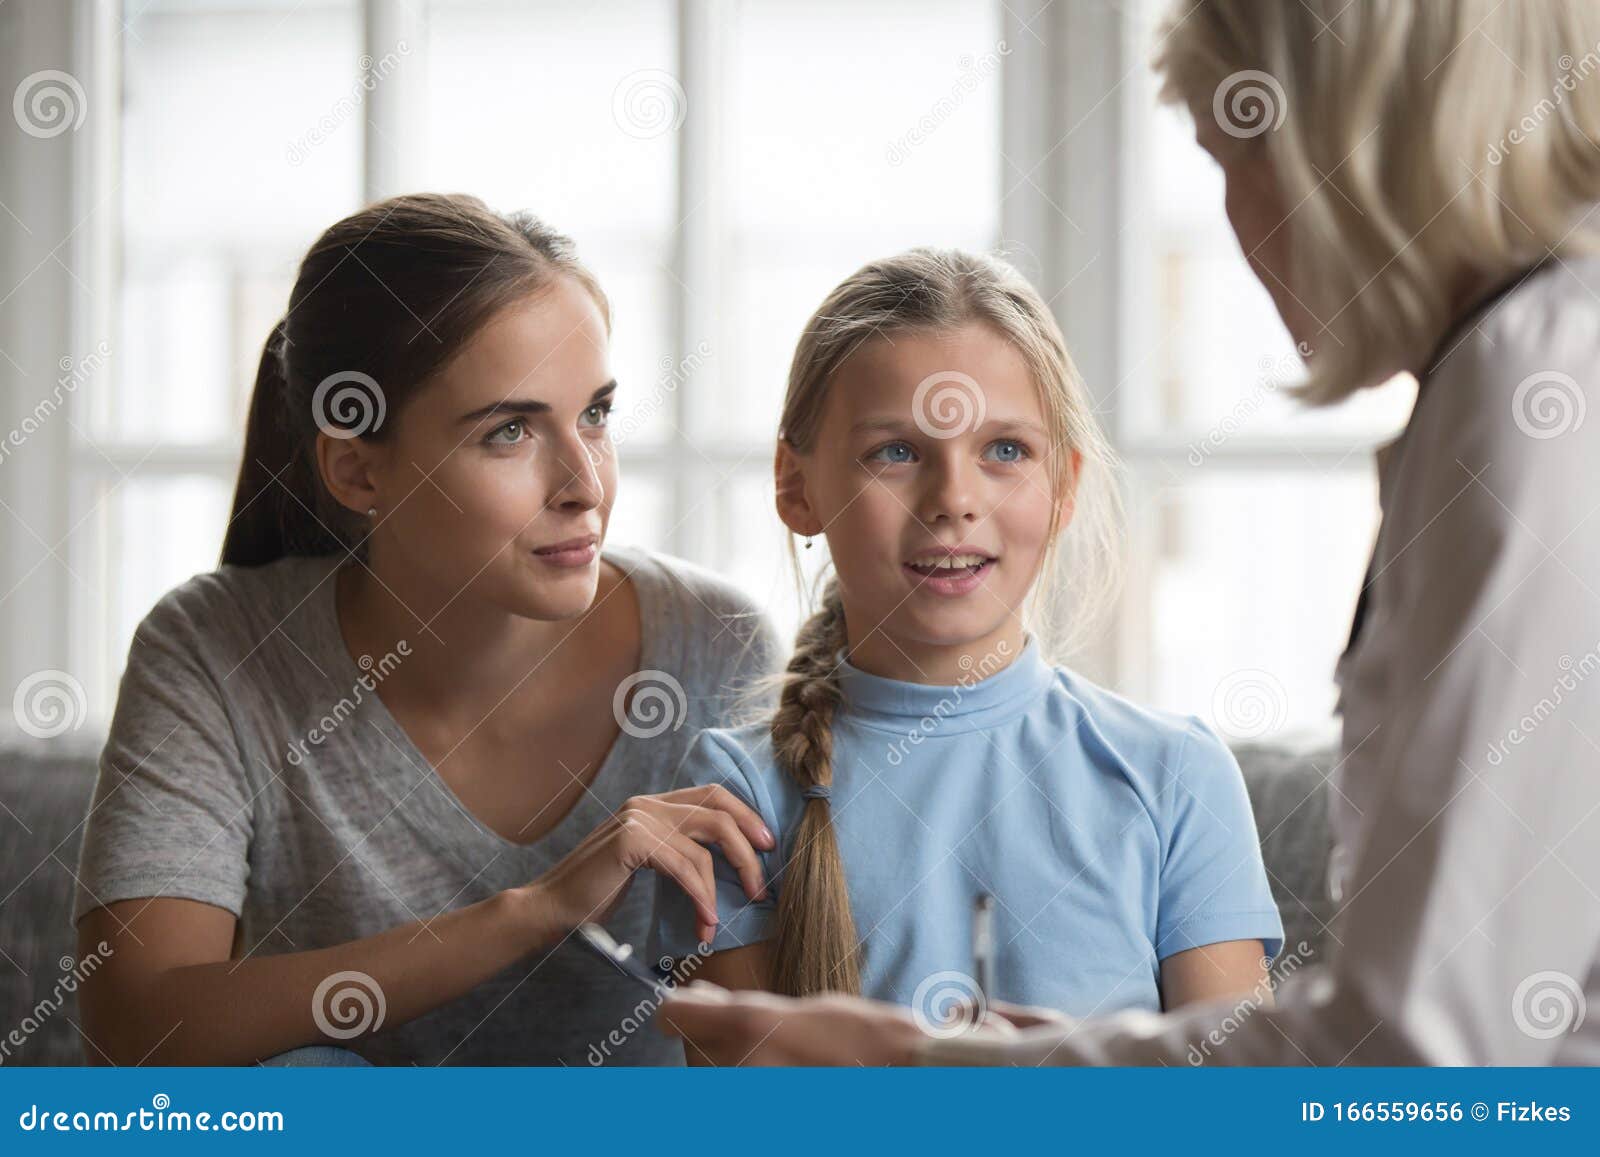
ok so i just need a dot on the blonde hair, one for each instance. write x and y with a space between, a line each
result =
1419 148
921 290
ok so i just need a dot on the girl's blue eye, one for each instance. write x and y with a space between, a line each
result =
891 453
1009 450
597 415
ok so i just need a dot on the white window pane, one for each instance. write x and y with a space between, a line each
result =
849 112
159 532
1251 591
640 515
529 108
752 546
1209 346
241 142
647 378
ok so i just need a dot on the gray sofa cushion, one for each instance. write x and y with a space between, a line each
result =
45 790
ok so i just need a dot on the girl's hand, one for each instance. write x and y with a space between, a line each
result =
667 832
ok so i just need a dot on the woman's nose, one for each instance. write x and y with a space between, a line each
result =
577 483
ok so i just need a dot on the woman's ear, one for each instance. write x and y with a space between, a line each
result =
349 468
794 507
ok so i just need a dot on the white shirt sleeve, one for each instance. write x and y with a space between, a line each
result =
1469 927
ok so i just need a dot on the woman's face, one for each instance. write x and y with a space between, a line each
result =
502 458
1260 223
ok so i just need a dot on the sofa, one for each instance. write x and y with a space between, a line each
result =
45 789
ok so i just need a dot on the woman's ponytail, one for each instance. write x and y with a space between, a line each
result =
816 949
267 522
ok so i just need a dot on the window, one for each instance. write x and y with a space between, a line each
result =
721 164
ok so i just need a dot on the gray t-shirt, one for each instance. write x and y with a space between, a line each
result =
252 765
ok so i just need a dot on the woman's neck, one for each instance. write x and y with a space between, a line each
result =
938 664
460 649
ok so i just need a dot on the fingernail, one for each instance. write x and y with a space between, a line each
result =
767 836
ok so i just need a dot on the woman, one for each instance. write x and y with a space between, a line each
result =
1427 203
350 773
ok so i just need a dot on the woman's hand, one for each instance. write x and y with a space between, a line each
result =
667 832
758 1028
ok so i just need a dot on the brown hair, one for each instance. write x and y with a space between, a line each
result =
816 946
383 300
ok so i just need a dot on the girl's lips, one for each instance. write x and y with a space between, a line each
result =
575 556
953 585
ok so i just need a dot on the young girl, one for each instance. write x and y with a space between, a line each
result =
925 752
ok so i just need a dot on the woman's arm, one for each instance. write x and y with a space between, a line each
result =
1232 968
168 992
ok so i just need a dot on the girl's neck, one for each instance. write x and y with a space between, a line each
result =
460 649
936 664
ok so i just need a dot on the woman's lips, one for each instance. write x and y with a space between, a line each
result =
953 583
573 553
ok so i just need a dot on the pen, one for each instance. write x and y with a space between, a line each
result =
983 945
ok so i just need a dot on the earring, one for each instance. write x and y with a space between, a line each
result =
372 512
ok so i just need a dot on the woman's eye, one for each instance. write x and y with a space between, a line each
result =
597 415
1008 450
893 453
507 435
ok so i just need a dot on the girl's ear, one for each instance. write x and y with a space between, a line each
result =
794 507
1069 501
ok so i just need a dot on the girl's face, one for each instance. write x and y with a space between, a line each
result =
502 459
932 448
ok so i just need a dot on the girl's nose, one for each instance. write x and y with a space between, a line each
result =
952 493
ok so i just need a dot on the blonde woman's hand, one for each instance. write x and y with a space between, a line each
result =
667 832
758 1028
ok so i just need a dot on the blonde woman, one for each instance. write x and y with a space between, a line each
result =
925 752
1427 204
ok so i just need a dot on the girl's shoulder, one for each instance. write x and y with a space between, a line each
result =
740 759
1154 748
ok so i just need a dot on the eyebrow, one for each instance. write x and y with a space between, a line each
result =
522 409
997 426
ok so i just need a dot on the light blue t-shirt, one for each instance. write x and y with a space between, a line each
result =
1110 836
